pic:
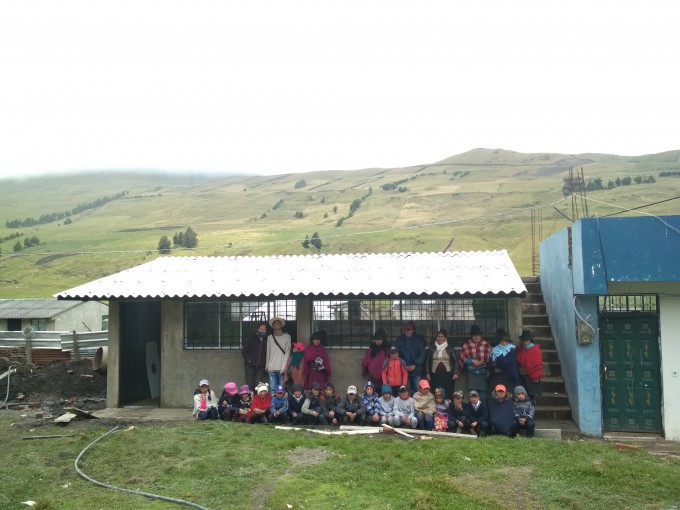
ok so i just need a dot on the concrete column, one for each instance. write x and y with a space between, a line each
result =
113 357
514 317
303 316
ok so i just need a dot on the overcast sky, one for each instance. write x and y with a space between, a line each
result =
291 86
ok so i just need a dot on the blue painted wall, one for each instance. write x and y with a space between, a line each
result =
637 249
580 363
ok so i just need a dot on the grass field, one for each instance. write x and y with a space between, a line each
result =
227 465
480 200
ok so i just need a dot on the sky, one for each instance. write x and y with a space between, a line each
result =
273 87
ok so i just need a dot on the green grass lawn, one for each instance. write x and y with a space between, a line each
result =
226 465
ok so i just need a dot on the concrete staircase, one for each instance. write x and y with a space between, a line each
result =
554 404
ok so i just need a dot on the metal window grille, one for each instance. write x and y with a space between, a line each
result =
647 304
350 323
224 324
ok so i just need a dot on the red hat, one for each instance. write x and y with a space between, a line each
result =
500 387
423 384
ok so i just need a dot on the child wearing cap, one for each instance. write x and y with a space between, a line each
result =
441 405
312 406
501 412
278 410
226 407
329 404
374 412
404 410
296 399
479 414
387 405
523 412
424 404
394 371
244 404
205 402
459 420
351 408
262 403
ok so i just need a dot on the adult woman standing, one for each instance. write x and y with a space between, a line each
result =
375 357
317 364
530 361
441 367
254 354
278 352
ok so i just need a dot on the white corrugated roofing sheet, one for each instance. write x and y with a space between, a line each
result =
33 308
364 274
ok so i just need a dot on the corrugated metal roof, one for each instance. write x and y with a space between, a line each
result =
34 308
389 274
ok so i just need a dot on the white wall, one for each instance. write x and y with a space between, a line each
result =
669 326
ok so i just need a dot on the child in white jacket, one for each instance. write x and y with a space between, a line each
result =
205 402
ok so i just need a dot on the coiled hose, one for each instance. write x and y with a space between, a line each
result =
128 491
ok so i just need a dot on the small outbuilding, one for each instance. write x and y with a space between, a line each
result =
52 315
176 320
612 291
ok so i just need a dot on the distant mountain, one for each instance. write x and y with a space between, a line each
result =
481 199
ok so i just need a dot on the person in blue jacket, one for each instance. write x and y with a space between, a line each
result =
411 348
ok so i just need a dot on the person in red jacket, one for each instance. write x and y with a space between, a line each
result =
530 362
262 402
394 371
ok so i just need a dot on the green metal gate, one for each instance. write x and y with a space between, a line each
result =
631 383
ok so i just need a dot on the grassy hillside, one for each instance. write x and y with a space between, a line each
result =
478 200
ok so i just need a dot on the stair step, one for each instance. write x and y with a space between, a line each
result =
530 321
553 413
531 279
549 355
553 384
533 309
552 368
533 287
552 399
533 298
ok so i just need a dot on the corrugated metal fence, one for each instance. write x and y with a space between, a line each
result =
49 346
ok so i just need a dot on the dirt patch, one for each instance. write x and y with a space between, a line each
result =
512 489
50 388
300 457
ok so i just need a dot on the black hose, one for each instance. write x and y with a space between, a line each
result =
128 491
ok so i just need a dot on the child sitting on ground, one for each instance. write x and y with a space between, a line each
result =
351 408
329 404
205 402
226 407
479 414
278 410
262 403
441 404
387 405
295 402
311 409
459 420
374 413
424 404
404 410
501 413
523 412
244 404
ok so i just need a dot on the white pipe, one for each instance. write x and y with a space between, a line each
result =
8 373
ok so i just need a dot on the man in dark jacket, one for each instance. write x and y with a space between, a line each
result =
254 354
412 350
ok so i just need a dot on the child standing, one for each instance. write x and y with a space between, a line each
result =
523 412
278 411
227 405
394 371
205 402
296 400
374 413
262 403
404 410
459 420
423 401
479 414
244 404
387 405
441 416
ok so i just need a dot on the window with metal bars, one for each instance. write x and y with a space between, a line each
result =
224 324
644 304
350 323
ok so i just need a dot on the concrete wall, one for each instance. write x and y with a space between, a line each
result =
84 317
669 325
113 356
580 363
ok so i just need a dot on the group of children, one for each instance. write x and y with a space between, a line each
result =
500 414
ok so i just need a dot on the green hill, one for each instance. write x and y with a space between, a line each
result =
480 200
